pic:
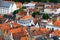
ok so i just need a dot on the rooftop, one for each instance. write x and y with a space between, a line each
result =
26 17
5 4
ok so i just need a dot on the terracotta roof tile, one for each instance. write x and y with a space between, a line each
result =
57 23
56 33
23 38
15 25
26 17
1 16
40 31
5 27
22 13
15 30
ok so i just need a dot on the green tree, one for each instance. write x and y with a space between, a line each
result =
54 1
16 11
35 14
47 1
45 16
15 0
19 1
36 0
58 1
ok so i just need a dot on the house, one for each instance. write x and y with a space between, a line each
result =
56 33
12 31
26 21
29 5
5 7
20 14
57 23
8 7
47 5
48 10
17 33
56 11
53 24
39 5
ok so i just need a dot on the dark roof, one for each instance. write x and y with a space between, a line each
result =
5 4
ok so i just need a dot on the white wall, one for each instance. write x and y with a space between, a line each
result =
58 11
14 7
47 10
51 26
26 23
4 10
10 8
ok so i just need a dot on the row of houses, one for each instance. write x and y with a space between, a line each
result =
9 7
20 30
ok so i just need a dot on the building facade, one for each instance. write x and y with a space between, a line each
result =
7 7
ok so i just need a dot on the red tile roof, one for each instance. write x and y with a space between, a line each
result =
26 17
1 16
40 31
56 33
15 30
15 25
5 27
22 13
24 38
57 23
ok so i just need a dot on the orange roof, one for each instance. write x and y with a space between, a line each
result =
23 38
5 26
15 24
57 23
18 4
44 30
56 33
39 31
1 16
26 17
22 13
15 30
